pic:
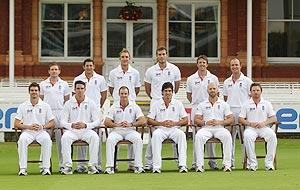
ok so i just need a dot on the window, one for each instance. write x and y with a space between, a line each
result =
283 30
193 29
65 31
137 36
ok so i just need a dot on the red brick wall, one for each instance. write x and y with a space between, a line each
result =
4 26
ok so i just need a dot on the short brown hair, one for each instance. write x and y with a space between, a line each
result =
202 57
34 84
255 84
161 49
54 64
88 60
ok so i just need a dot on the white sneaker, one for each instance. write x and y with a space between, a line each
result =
139 170
270 168
67 171
253 169
200 169
183 169
22 172
109 171
156 171
80 169
93 170
227 169
213 165
46 172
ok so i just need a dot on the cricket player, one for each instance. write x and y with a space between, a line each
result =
166 116
212 115
123 117
163 71
80 115
236 91
257 115
196 92
33 117
96 90
55 92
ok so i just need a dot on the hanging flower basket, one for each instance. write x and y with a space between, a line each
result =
131 12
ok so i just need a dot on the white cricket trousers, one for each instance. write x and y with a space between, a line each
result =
27 137
250 136
117 135
210 147
206 133
86 135
235 131
177 135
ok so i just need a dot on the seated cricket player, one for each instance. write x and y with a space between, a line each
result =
33 117
212 115
167 115
79 117
123 116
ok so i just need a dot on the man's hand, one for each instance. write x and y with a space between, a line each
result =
213 122
35 127
78 125
126 124
168 123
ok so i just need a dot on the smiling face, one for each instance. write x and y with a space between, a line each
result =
167 94
202 64
34 92
235 66
79 90
212 90
124 58
89 67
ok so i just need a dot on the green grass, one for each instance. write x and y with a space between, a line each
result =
286 177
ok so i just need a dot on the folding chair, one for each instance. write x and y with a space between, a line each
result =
124 142
258 140
34 144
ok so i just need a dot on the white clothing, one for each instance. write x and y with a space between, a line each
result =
88 113
198 86
130 79
258 113
157 77
130 114
39 114
218 111
94 86
54 95
159 112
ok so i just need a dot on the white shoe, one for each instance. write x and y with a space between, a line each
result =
67 171
156 171
227 169
93 170
80 169
139 170
109 171
270 168
46 172
148 167
253 169
200 169
183 169
22 172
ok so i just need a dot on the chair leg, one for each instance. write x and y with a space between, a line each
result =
245 159
275 162
115 157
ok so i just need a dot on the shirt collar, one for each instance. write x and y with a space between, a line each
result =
119 69
48 79
168 65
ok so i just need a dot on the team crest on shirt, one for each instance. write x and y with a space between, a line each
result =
59 87
241 85
208 81
130 78
85 106
173 109
40 110
169 73
197 82
29 111
263 108
219 106
130 110
95 82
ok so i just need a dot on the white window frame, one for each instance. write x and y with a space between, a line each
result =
129 28
65 58
193 58
280 60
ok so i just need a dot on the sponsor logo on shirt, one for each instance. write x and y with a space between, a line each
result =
252 109
162 110
197 82
74 108
157 74
29 111
119 78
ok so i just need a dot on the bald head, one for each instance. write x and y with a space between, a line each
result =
212 89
